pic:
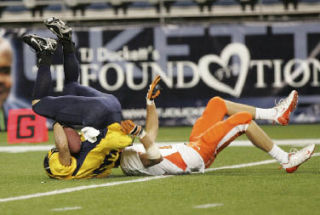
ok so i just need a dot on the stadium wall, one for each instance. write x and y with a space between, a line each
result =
253 63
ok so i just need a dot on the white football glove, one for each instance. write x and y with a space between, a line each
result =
90 134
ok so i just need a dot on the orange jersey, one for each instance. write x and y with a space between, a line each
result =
177 159
210 134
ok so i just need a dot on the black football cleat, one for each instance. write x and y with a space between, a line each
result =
59 28
40 44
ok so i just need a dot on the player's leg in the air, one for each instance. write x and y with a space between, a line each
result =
97 112
211 134
280 113
70 62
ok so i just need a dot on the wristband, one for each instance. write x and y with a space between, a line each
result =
142 134
153 152
150 102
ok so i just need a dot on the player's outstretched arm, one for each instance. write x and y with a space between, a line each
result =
61 143
152 121
148 137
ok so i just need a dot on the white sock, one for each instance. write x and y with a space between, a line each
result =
262 113
278 154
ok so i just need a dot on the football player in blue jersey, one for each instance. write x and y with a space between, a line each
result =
80 105
99 146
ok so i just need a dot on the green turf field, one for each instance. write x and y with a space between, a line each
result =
260 189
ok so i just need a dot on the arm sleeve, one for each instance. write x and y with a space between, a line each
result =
115 138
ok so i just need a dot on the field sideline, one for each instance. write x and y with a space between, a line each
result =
242 180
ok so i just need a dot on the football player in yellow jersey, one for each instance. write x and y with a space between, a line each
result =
79 105
99 150
95 158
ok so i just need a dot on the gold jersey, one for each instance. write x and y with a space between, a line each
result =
94 159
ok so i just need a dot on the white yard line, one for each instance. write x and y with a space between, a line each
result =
238 166
284 142
22 149
66 209
34 148
74 189
110 184
212 205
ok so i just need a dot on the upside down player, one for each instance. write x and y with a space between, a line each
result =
80 105
210 134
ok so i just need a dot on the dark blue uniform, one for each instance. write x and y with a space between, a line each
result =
79 105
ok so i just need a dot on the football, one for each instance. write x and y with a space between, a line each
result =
74 141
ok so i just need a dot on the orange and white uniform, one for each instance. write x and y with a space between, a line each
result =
177 159
209 135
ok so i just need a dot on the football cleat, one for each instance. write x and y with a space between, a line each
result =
285 107
297 158
40 44
59 28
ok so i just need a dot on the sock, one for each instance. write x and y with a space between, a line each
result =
68 46
71 67
262 113
42 85
278 154
44 58
71 63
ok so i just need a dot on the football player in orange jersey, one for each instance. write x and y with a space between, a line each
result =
210 134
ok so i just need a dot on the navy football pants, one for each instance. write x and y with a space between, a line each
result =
79 105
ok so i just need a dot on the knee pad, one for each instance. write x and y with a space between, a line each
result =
217 104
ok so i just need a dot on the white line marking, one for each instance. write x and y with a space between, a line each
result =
238 166
73 189
110 184
209 205
285 142
292 142
21 149
67 208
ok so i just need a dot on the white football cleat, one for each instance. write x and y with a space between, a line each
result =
298 158
285 107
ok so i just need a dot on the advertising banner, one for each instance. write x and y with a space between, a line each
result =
256 64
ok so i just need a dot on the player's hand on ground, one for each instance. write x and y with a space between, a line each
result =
154 89
129 127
